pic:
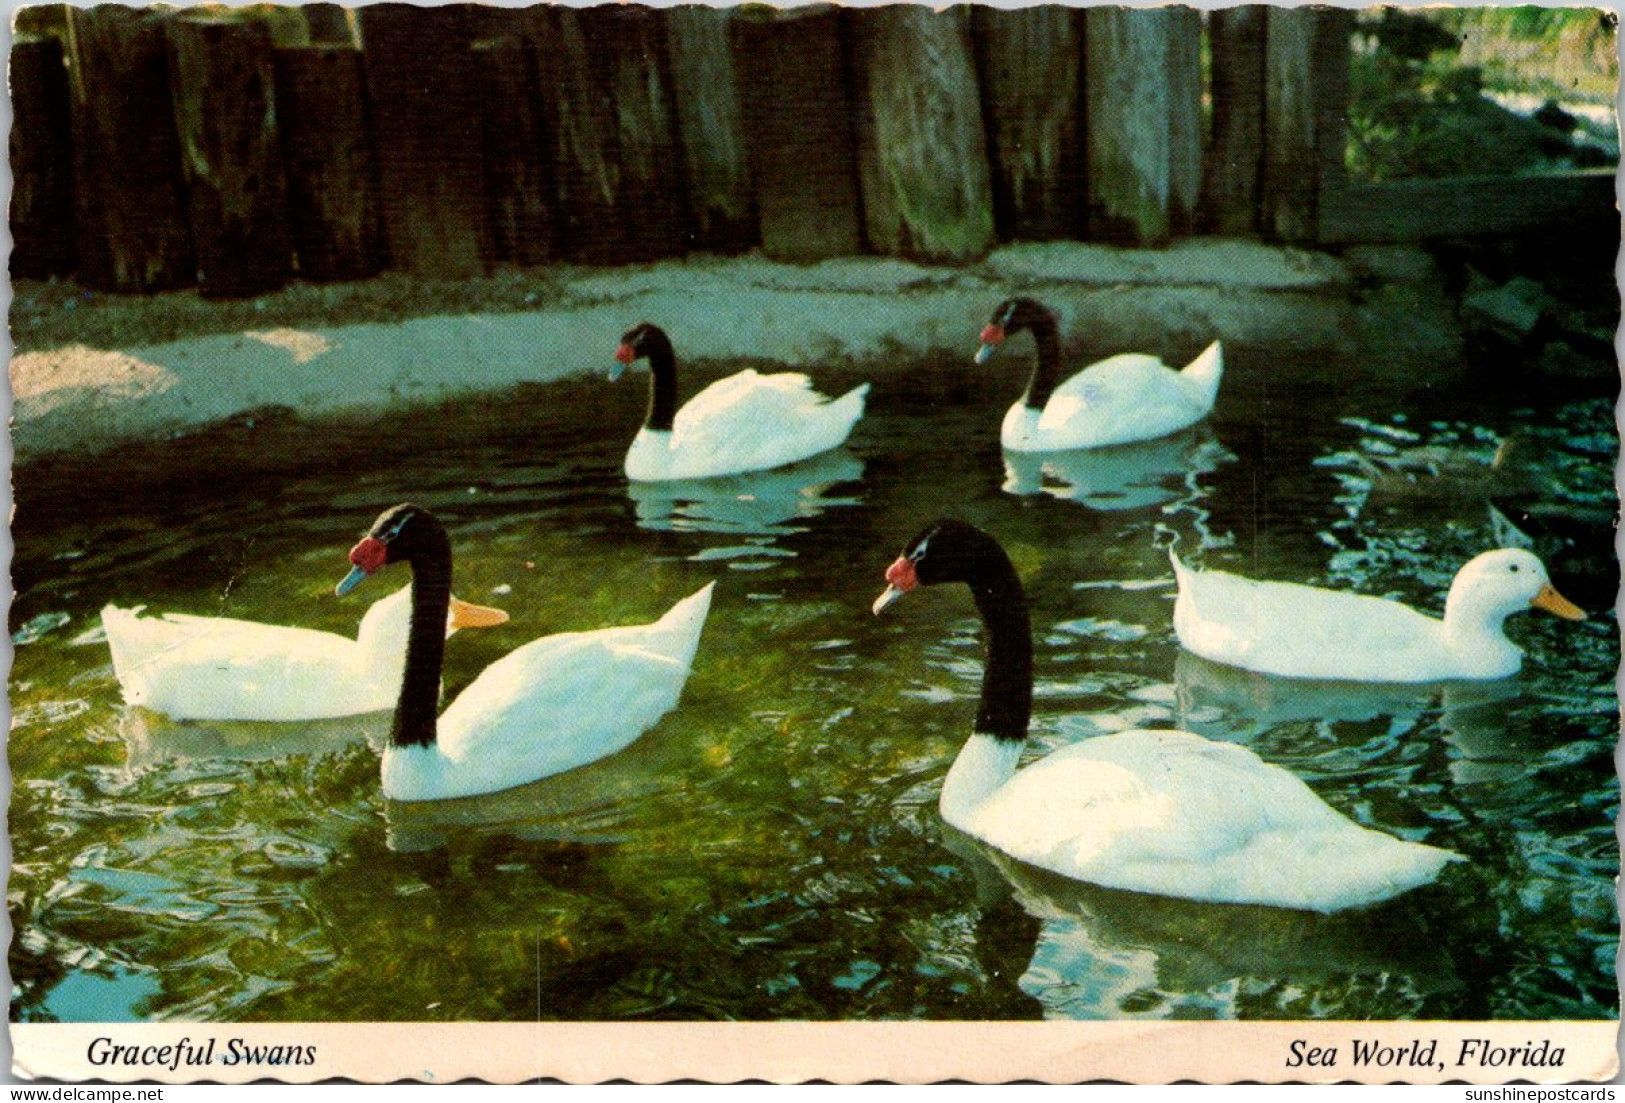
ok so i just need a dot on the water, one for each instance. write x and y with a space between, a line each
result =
772 849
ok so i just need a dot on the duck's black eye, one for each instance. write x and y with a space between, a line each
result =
1515 568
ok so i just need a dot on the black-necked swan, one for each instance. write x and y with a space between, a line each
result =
1128 397
1163 812
554 704
218 668
1297 631
746 422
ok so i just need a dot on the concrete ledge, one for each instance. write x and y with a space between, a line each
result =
1169 302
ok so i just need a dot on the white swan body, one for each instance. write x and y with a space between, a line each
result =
746 422
552 705
1130 397
218 668
1171 813
1164 812
1298 631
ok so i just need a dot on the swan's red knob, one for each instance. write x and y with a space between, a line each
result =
901 574
625 354
992 334
369 555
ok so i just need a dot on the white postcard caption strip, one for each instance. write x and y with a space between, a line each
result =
1138 1052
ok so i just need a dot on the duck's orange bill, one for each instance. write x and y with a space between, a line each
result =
1554 602
465 615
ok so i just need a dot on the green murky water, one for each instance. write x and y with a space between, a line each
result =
772 849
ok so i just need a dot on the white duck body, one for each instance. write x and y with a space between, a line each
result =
552 705
1171 813
1130 397
219 668
1296 631
746 422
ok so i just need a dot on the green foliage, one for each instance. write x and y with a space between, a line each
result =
1416 110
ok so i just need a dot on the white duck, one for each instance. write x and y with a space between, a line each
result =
1129 397
552 705
746 422
218 668
1163 812
1297 631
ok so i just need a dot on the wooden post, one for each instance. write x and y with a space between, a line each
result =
41 160
426 124
515 156
722 217
41 19
130 227
922 153
627 47
798 137
1030 61
1142 74
1305 105
331 24
225 115
327 151
1230 176
578 119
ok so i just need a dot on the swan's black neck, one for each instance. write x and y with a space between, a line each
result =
1007 679
1048 367
662 382
419 702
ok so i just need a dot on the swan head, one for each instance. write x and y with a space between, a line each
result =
1011 317
401 533
948 550
638 342
408 533
1493 586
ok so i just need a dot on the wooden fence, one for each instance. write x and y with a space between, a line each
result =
233 150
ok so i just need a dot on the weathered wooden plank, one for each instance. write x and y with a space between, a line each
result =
327 152
1031 66
798 136
224 98
331 24
1305 105
1185 124
517 186
424 97
41 148
1143 119
286 23
922 152
627 47
41 19
131 232
1465 206
1331 62
578 118
721 211
1230 176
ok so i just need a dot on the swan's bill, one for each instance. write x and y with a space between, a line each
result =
350 581
887 600
465 614
624 355
1553 602
985 353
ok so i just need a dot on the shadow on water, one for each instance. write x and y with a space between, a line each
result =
757 503
1106 954
1127 476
